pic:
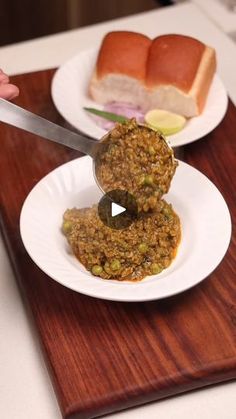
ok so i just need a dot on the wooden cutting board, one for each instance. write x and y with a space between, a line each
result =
105 356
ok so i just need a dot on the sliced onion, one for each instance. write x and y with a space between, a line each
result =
119 108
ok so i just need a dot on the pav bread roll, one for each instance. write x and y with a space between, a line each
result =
172 72
120 71
180 70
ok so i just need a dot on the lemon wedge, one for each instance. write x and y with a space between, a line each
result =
167 122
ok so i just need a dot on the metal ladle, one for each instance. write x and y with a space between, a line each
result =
21 118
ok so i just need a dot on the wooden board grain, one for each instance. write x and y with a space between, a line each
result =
106 356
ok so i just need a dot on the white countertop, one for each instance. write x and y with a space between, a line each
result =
25 388
221 15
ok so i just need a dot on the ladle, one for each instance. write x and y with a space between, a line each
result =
21 118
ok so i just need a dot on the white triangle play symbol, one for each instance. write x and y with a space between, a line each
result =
116 209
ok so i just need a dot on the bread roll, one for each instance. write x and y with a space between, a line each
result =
172 72
120 71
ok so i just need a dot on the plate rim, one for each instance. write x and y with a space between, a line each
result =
174 143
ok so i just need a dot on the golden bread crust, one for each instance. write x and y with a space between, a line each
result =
125 53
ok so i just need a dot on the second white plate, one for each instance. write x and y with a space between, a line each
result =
70 95
205 220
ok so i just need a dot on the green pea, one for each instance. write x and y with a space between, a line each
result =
115 265
167 212
107 268
143 247
66 227
148 180
141 180
156 268
97 270
111 148
151 150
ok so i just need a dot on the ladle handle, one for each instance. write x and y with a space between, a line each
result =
21 118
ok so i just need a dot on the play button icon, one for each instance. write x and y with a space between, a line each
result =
117 209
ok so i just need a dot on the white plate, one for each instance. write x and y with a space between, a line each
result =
70 95
206 231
